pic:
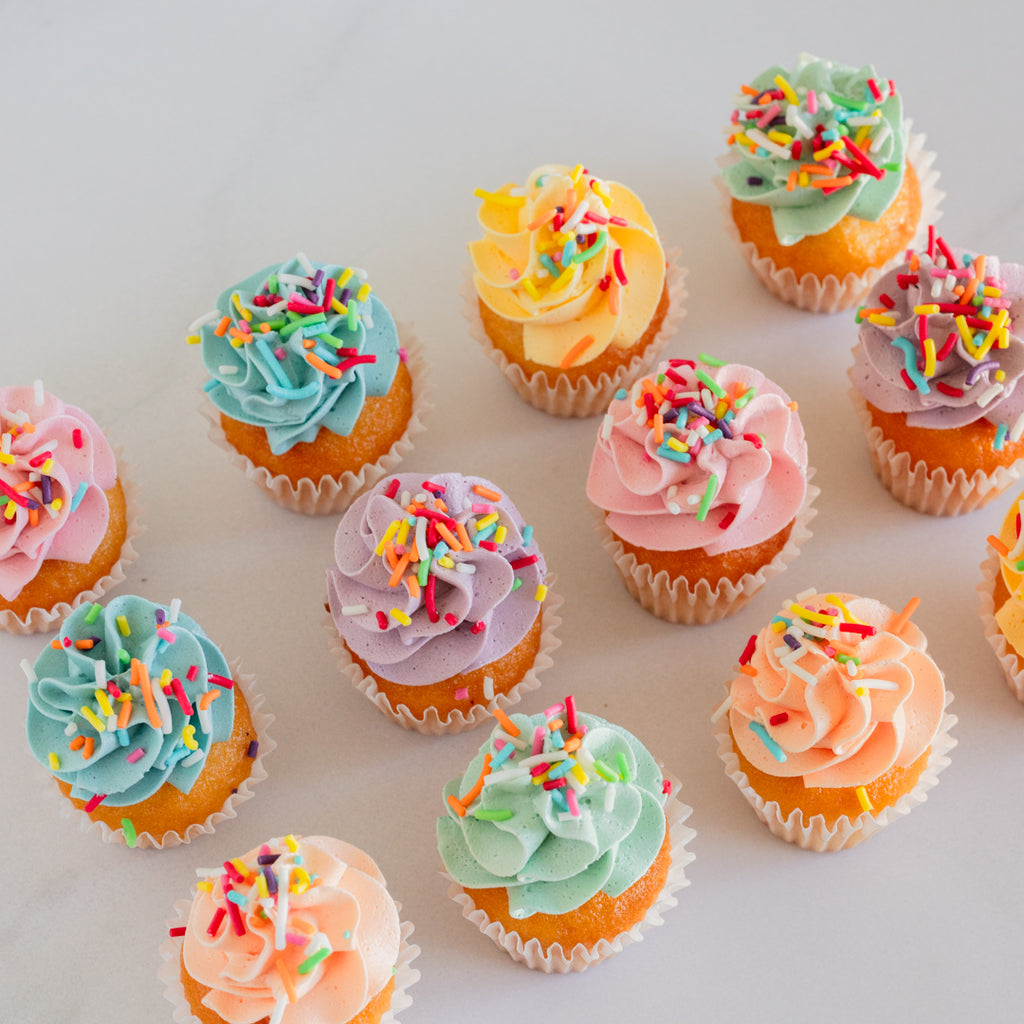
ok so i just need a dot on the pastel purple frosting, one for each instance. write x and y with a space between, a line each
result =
878 362
489 613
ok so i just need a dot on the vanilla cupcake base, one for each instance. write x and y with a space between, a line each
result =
814 834
330 494
1008 659
457 720
830 294
174 992
586 397
261 721
555 960
676 600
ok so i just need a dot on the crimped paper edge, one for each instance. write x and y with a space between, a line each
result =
1006 654
174 992
39 620
456 721
334 494
829 294
585 397
261 721
844 833
555 960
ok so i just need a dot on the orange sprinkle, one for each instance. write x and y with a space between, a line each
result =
448 537
124 714
222 327
570 202
748 670
85 645
831 182
915 262
556 723
133 675
440 505
793 406
453 803
147 694
389 554
208 698
486 492
317 363
541 220
577 350
289 987
897 624
506 723
479 784
403 564
413 586
749 90
88 747
25 485
659 428
613 296
865 313
571 744
998 544
791 181
467 544
55 644
76 743
308 343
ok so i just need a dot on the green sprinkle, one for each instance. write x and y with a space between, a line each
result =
93 614
842 101
582 257
891 167
124 657
502 815
517 583
710 360
272 284
624 772
708 382
744 398
329 339
302 321
130 836
424 569
310 962
709 494
277 323
604 771
353 316
844 658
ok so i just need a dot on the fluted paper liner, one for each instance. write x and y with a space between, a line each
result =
844 833
935 492
829 294
554 959
174 992
261 721
39 620
1008 659
332 494
457 720
586 397
677 600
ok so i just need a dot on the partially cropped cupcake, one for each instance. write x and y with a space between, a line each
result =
835 724
148 732
439 600
315 394
301 930
571 294
66 523
937 378
826 184
700 474
563 838
1002 594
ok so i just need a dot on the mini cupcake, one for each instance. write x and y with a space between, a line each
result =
301 930
835 724
563 839
312 382
937 378
826 184
571 297
67 524
700 473
149 734
438 600
1002 597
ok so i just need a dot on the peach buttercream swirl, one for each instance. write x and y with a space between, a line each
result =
300 930
574 259
1010 548
838 690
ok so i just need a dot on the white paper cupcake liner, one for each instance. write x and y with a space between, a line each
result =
934 492
675 600
174 992
261 721
1007 656
585 397
555 960
39 620
457 720
331 494
829 294
844 833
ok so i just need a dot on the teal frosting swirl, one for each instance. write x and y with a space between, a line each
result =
66 683
268 379
843 99
549 860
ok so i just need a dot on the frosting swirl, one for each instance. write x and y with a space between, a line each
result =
308 914
815 143
840 691
99 716
1010 615
938 341
554 849
574 259
417 620
54 468
255 346
699 455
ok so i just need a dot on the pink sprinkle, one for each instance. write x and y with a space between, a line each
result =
280 353
403 355
555 709
812 101
666 786
135 755
538 740
292 937
190 675
514 274
94 801
574 805
462 693
166 634
482 508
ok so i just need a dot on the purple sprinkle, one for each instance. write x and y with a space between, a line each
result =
752 180
271 881
791 641
725 429
254 746
160 616
267 858
31 503
698 410
976 371
344 296
318 279
44 483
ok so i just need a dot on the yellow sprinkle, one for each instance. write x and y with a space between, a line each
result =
499 198
787 90
91 718
576 172
344 276
241 309
446 562
803 179
188 737
240 865
542 592
926 310
602 190
863 800
676 445
780 137
103 701
403 533
6 459
193 339
1000 375
834 598
301 876
564 278
339 307
499 534
882 319
997 325
991 292
778 627
290 842
399 616
861 691
806 613
531 289
123 627
45 469
965 333
539 780
261 885
388 534
743 138
205 886
862 135
485 521
579 773
826 151
929 357
364 293
54 762
166 677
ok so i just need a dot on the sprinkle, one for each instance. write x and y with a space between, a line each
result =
722 708
122 625
486 492
506 723
898 622
773 748
310 963
863 799
495 815
709 494
130 836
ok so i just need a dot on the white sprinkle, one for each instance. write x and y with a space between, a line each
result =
989 395
722 708
226 370
1017 429
354 609
406 499
673 508
296 280
880 137
804 594
693 499
39 395
26 667
278 307
488 688
100 671
877 684
506 775
163 708
465 567
609 799
303 261
606 426
759 138
173 609
366 318
421 498
70 729
851 668
547 757
205 719
517 741
804 675
213 316
937 286
673 491
570 224
111 723
194 758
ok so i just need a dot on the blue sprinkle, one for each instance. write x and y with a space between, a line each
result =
773 748
291 394
559 770
210 385
910 361
559 799
621 394
79 495
527 536
237 898
502 756
670 453
1001 433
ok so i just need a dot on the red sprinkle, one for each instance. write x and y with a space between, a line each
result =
222 681
431 599
726 520
478 627
946 349
218 916
946 389
175 932
190 675
782 716
392 488
911 386
749 649
94 802
857 627
382 620
886 301
522 563
76 436
451 619
620 270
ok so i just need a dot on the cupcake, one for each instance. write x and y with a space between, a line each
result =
700 475
301 930
150 735
66 526
311 382
826 185
571 297
438 600
835 724
937 378
563 838
1002 594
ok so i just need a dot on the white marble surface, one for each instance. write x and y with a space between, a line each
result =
154 154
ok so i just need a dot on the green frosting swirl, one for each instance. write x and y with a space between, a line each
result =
843 104
549 859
